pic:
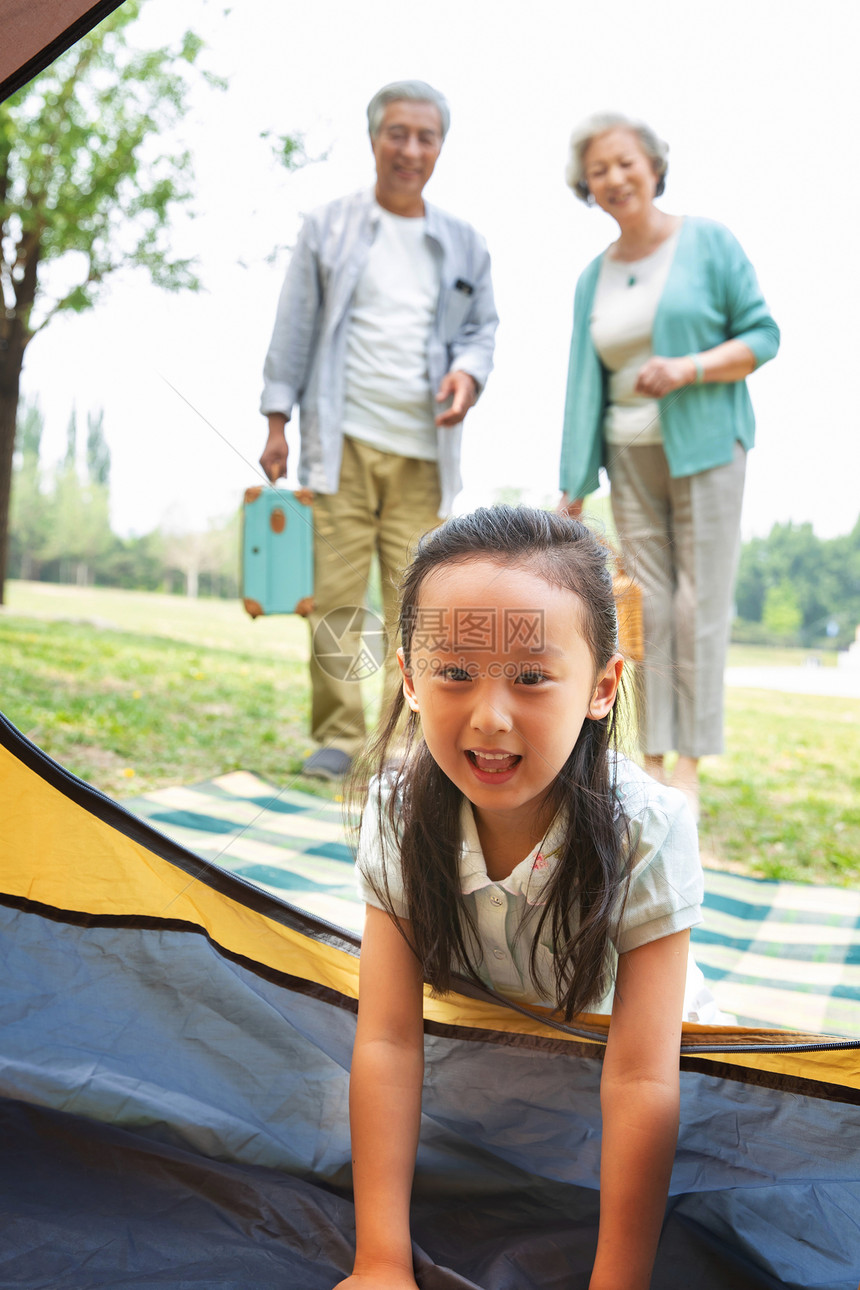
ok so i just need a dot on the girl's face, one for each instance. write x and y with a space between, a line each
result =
503 680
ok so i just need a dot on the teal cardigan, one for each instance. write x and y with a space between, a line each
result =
711 295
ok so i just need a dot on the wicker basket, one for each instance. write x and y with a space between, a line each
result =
628 606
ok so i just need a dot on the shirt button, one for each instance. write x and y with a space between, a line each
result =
496 899
499 954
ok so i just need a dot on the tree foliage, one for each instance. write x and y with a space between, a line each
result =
90 176
782 615
30 506
798 584
98 452
60 529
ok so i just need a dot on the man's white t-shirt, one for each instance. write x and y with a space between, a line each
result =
389 403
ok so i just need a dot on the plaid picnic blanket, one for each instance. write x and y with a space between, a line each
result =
776 954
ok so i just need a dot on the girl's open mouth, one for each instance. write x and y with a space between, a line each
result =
493 763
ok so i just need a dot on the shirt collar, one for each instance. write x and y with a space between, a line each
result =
527 879
430 216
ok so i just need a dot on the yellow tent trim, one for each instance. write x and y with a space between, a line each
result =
123 878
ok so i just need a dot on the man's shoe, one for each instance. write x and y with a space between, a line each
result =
327 763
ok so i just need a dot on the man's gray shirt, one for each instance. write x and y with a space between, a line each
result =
306 362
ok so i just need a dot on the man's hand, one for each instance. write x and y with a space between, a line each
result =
462 389
274 458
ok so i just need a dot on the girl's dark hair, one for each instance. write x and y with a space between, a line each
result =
421 815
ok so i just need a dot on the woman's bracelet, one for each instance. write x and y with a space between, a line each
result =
699 370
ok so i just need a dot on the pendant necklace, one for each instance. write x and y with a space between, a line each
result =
631 281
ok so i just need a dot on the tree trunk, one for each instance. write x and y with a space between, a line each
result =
11 362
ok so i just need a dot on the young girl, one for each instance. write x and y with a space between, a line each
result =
514 846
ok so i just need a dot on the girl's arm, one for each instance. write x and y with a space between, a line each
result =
640 1097
385 1105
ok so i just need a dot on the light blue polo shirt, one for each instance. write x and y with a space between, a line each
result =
665 894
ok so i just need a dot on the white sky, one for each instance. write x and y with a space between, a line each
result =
757 98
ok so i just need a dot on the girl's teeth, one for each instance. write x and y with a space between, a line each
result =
494 762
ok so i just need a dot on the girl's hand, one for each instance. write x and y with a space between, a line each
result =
640 1100
386 1278
385 1103
660 376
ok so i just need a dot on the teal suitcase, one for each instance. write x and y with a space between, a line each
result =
277 553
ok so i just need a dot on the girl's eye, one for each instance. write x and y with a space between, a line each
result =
454 673
530 678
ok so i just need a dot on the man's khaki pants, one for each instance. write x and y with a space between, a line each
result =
384 503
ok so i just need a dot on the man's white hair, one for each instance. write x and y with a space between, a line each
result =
415 92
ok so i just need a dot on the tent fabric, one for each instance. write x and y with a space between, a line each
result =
35 32
174 1068
774 953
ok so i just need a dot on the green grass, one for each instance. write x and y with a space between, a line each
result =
767 656
216 624
134 691
784 800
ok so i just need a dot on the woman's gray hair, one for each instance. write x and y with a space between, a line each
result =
415 92
587 131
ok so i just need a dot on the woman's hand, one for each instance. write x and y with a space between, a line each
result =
660 376
731 361
571 508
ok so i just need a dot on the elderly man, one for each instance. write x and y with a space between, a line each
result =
384 338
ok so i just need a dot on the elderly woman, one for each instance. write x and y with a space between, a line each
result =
668 323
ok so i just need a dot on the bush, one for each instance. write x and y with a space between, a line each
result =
747 633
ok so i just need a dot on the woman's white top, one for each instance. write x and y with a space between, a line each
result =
622 324
665 895
388 400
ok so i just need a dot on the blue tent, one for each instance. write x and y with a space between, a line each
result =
173 1075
